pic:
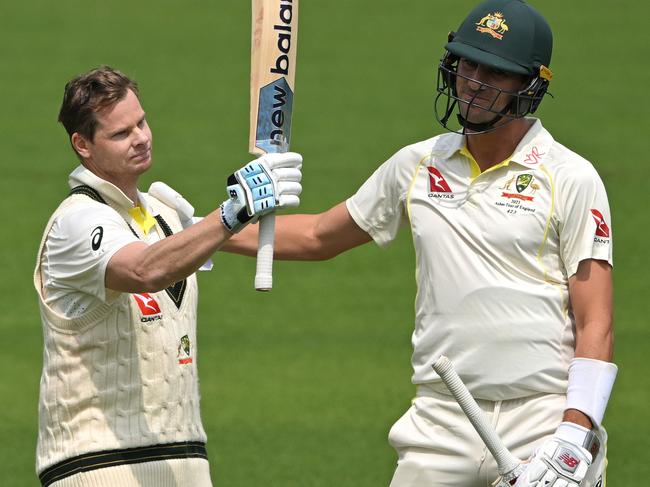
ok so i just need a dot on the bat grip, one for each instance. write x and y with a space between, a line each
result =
264 272
506 461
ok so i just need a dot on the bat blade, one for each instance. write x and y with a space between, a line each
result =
508 466
273 67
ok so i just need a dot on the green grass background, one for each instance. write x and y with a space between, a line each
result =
300 386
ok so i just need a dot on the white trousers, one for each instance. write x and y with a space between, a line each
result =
438 447
181 472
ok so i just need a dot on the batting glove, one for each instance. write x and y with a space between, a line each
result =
561 461
260 187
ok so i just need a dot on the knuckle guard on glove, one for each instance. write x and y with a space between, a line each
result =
257 189
557 463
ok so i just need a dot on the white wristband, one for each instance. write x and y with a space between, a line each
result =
590 385
571 432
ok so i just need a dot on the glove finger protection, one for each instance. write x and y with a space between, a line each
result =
288 174
282 160
256 189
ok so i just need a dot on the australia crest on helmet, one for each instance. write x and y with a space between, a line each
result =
493 24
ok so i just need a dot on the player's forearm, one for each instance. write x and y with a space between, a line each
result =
595 340
154 267
295 239
591 293
306 237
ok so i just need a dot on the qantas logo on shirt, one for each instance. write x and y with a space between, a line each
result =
602 230
438 187
148 307
437 183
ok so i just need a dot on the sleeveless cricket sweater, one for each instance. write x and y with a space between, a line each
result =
119 383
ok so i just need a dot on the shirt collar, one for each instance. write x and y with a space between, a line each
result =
529 152
110 192
447 145
533 148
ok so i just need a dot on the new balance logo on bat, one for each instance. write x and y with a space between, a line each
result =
284 38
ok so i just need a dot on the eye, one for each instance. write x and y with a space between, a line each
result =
142 123
120 135
469 64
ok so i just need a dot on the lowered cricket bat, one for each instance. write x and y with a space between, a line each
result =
508 466
273 69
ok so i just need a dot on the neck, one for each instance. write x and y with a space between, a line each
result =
128 185
493 147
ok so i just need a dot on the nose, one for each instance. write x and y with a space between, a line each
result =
478 76
141 137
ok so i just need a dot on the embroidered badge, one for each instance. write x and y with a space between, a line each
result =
523 180
493 24
184 351
518 193
522 183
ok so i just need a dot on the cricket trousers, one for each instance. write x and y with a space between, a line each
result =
438 447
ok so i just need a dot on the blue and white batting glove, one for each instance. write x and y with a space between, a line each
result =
561 461
260 187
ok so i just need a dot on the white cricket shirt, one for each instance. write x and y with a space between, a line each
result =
494 252
73 271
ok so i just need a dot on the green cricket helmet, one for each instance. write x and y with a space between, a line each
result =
508 35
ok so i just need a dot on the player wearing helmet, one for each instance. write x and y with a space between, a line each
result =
513 246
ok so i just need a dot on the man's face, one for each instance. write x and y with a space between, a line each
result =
478 97
121 148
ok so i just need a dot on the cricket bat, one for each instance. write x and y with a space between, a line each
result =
273 69
508 466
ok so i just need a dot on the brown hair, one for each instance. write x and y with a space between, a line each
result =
87 94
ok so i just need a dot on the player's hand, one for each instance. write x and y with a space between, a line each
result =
558 462
260 187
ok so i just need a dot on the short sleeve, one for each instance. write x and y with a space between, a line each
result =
378 206
79 246
585 220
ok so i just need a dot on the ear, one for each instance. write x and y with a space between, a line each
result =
81 145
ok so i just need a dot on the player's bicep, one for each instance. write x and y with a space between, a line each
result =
591 295
123 269
337 231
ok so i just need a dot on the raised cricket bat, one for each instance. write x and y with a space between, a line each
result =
508 466
273 69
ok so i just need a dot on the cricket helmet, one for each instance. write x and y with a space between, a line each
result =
507 35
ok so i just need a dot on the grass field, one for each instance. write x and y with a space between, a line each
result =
304 394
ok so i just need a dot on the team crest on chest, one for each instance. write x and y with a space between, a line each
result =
149 307
518 192
184 350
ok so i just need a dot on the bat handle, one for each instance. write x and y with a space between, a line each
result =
264 272
507 463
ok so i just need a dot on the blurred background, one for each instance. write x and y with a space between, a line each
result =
300 386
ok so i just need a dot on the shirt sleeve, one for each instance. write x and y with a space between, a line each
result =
378 207
585 219
79 246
